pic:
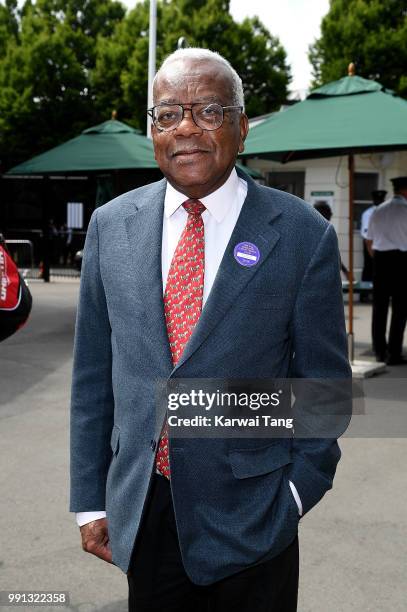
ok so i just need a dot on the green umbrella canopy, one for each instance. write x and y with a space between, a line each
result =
345 116
112 145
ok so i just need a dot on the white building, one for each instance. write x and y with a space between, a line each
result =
327 179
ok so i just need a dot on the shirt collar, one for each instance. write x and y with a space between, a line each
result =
217 203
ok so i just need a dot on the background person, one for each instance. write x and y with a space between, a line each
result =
387 243
326 211
66 234
378 196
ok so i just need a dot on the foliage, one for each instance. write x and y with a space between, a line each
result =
66 64
372 34
8 24
45 96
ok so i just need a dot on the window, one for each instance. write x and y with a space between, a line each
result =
364 184
292 182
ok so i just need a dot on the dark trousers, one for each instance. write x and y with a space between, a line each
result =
367 272
389 282
158 582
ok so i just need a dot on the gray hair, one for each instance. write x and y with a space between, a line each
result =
198 53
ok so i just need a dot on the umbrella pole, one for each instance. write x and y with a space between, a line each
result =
351 341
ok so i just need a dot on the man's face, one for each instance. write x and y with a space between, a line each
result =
196 161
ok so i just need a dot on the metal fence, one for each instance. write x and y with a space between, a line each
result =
30 250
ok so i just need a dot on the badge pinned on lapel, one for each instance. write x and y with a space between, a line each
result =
246 253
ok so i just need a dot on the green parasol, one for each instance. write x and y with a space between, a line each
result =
111 145
351 115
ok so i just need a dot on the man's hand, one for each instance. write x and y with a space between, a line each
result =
95 539
369 246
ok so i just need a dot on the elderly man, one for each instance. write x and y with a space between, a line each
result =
202 275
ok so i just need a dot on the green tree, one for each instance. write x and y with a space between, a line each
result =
65 64
45 96
372 34
8 24
120 75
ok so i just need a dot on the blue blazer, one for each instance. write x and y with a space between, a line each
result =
281 317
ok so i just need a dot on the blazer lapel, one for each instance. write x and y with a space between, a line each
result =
144 233
254 225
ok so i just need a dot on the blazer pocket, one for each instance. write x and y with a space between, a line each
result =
246 463
114 439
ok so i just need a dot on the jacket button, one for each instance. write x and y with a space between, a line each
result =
153 444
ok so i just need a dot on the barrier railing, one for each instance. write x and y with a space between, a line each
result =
39 257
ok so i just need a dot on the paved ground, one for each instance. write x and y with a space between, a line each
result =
353 544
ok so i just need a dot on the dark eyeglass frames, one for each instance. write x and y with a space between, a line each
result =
207 116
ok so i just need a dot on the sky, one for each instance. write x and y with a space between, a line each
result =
295 22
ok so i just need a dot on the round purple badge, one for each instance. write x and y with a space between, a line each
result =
246 253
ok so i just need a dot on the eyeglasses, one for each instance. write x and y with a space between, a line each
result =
167 117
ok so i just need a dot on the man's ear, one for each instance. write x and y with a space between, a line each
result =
244 129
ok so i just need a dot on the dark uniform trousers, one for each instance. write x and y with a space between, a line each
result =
389 282
367 272
158 582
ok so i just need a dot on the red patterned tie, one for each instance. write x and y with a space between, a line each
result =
183 299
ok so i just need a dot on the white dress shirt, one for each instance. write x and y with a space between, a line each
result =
364 222
223 207
388 225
